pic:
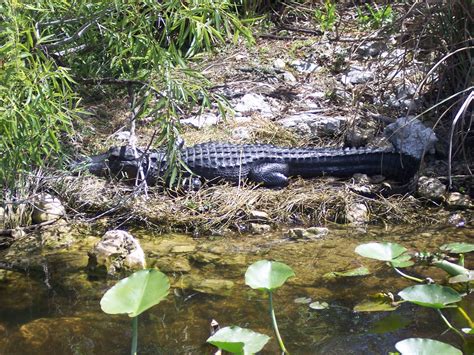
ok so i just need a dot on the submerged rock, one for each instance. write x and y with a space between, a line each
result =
307 233
209 286
47 208
259 228
117 250
172 264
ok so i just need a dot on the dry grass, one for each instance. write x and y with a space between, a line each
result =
307 202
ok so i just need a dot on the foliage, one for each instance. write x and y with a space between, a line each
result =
429 295
51 51
135 294
268 276
375 16
238 340
38 102
326 17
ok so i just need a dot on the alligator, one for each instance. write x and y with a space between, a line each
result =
263 164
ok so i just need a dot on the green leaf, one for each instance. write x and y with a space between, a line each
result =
238 340
377 303
433 296
381 251
468 330
451 268
469 277
136 293
319 305
402 261
421 346
267 275
360 271
458 248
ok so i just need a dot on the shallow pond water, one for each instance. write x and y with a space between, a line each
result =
54 309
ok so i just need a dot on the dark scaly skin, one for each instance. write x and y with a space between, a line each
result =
265 164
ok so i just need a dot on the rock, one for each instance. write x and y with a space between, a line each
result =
172 264
205 257
254 103
288 77
457 200
358 137
47 208
357 213
258 216
303 66
408 135
314 124
209 286
370 49
201 121
457 220
241 133
259 228
279 64
357 76
116 251
2 217
178 249
431 188
307 233
123 136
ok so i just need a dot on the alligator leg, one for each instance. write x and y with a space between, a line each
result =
270 174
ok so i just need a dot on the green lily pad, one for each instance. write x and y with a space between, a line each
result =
319 305
360 271
402 261
433 296
136 293
421 346
381 251
451 268
469 277
267 275
458 248
390 323
377 303
468 330
238 340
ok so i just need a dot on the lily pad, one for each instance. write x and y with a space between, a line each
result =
381 251
402 261
377 303
421 346
469 277
468 330
238 340
319 305
433 296
267 275
360 271
451 268
302 300
458 248
136 293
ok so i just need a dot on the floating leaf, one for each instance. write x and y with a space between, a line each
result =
319 305
469 277
238 340
267 275
360 271
421 346
468 330
433 296
390 323
402 261
377 303
458 248
451 268
136 293
381 251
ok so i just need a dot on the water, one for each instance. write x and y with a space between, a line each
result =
55 308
